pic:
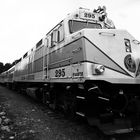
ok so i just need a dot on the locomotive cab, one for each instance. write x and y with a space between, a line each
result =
85 18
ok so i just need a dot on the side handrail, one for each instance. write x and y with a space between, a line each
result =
106 34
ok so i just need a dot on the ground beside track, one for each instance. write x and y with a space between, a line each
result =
22 118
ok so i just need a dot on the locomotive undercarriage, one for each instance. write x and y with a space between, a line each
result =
112 108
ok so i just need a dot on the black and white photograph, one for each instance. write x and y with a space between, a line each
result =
70 70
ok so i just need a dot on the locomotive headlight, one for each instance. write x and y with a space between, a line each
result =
98 69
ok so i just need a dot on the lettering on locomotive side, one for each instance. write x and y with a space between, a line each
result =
78 73
60 72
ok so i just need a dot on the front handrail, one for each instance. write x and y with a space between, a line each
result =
136 42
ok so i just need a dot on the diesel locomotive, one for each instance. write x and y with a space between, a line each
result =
86 67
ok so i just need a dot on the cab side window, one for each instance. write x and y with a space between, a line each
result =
60 33
57 35
54 38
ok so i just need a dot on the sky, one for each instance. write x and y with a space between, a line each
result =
24 22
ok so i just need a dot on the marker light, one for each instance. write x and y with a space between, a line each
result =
127 45
98 69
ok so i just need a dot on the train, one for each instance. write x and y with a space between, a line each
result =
86 67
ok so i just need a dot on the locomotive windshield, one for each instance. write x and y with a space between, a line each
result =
75 25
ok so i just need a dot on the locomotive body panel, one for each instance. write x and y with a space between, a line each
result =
107 47
111 76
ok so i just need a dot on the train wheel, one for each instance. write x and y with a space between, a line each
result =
13 86
39 95
53 94
65 105
46 97
70 102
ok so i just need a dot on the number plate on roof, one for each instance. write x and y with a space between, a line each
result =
87 16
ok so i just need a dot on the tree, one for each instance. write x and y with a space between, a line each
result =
1 67
7 66
15 62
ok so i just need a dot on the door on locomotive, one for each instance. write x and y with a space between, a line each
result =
53 42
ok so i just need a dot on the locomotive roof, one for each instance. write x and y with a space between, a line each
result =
87 14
